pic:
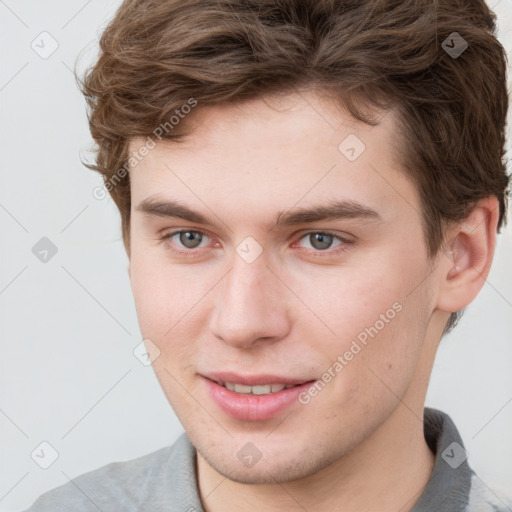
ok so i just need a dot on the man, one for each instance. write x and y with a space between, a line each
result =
310 193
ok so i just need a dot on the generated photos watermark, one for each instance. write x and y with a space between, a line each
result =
100 192
355 348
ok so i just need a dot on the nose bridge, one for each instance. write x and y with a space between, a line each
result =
248 305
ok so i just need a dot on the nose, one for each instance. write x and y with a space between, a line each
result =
251 305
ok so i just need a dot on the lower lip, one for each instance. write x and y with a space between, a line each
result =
249 407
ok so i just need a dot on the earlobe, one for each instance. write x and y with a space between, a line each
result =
466 260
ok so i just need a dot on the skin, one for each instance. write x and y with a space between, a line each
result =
359 443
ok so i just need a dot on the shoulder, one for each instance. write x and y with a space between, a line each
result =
120 485
484 499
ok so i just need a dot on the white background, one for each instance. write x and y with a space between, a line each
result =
68 327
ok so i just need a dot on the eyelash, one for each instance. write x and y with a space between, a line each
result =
190 253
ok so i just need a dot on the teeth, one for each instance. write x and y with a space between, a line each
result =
241 388
256 390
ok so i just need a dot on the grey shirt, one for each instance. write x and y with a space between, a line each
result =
165 481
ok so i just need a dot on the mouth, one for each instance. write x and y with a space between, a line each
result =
254 398
259 389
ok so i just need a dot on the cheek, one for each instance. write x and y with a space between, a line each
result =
164 302
166 296
348 302
377 321
151 296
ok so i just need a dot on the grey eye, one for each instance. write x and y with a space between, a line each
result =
321 241
190 239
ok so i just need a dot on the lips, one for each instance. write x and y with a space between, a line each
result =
254 380
252 398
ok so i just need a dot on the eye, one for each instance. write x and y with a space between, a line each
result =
184 242
186 238
321 241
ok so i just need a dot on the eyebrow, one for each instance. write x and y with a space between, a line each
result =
334 209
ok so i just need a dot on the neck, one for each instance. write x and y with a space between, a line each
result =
388 472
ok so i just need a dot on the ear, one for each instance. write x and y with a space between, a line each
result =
466 257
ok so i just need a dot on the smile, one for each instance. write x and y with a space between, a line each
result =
262 389
256 398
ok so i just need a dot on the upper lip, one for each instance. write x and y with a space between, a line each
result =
253 380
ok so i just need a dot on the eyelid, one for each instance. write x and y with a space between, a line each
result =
344 241
344 237
166 236
332 251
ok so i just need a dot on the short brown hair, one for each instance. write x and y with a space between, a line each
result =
392 54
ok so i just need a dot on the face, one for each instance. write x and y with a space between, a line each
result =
245 282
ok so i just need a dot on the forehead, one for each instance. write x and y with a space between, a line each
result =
277 151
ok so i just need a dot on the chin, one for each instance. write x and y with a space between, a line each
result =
270 469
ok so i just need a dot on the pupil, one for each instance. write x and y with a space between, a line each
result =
321 237
188 239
